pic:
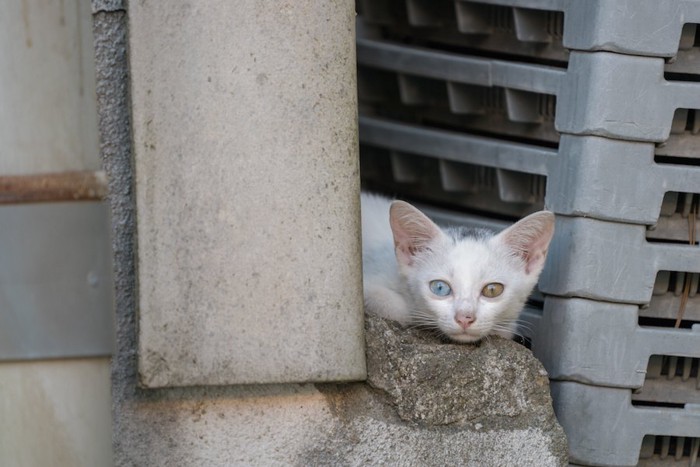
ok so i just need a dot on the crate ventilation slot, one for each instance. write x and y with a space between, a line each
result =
682 450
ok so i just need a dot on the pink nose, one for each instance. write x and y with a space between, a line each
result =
465 320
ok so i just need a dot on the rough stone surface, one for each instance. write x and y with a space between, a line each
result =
437 403
109 30
107 5
496 384
367 431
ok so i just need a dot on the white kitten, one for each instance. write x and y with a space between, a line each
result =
466 283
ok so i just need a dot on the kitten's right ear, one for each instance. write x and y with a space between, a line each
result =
412 230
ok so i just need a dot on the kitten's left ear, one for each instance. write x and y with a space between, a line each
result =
529 239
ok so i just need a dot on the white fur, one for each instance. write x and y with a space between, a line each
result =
399 290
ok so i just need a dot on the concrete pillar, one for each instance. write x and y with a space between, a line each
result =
247 188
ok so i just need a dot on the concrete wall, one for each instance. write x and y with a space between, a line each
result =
247 191
294 424
264 424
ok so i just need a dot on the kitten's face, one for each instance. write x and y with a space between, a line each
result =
469 287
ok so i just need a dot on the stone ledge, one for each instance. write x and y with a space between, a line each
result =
495 384
430 402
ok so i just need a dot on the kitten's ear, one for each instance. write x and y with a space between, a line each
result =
413 231
529 239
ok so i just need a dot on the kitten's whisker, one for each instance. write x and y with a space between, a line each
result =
520 324
525 333
518 332
523 323
423 318
500 327
423 326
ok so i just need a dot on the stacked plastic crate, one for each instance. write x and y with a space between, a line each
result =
476 105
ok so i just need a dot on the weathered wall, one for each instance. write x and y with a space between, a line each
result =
287 424
191 426
246 183
55 270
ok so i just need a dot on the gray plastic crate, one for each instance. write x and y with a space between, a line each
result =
610 261
489 28
668 294
605 94
455 147
678 210
546 30
473 108
448 167
586 180
628 129
457 91
583 174
608 24
606 357
683 141
604 428
408 87
621 96
499 111
600 343
444 182
670 379
669 451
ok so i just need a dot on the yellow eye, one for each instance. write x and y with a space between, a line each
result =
492 290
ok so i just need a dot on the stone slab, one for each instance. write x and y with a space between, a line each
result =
485 405
247 192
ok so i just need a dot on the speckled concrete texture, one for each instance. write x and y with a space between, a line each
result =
106 6
495 384
247 192
109 30
433 403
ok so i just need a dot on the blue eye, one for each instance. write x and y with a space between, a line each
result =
440 288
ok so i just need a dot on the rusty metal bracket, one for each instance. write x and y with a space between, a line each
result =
84 185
